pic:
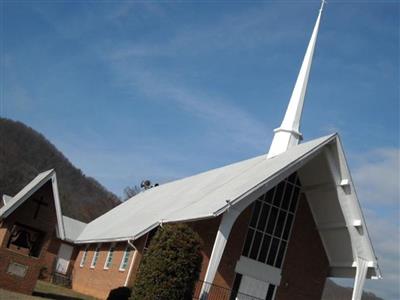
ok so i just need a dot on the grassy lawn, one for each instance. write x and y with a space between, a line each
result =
7 295
45 290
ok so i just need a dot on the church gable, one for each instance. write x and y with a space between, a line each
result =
25 235
30 223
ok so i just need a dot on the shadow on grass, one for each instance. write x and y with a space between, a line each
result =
55 296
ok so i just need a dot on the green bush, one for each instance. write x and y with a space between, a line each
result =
171 265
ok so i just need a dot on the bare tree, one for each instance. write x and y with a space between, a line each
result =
130 191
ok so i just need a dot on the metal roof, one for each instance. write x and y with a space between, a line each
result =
72 228
196 197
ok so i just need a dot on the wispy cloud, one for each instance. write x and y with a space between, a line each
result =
226 119
385 234
246 30
378 173
377 180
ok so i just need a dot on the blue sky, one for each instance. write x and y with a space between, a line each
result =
162 90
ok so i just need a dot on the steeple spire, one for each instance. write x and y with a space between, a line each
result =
288 134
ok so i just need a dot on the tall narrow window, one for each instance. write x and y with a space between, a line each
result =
270 292
125 258
95 256
109 258
84 256
271 223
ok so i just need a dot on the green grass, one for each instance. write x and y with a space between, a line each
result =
46 290
44 287
7 295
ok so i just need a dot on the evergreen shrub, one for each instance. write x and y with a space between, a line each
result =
171 265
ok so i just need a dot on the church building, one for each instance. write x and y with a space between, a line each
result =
273 226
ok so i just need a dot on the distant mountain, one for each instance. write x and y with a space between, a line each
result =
24 153
334 291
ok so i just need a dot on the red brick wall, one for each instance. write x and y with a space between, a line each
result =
98 281
306 266
11 282
46 222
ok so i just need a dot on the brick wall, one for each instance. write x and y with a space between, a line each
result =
24 215
306 266
98 281
14 283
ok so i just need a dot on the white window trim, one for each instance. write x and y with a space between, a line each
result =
123 258
94 260
84 256
112 246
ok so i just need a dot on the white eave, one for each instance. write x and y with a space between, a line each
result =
24 194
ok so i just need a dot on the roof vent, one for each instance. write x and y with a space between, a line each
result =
146 184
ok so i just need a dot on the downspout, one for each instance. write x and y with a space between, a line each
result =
131 264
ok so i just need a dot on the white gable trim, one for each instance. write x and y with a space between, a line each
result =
29 190
355 222
6 199
57 204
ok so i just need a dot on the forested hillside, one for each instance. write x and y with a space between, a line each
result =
24 153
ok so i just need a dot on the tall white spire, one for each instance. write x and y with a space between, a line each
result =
288 134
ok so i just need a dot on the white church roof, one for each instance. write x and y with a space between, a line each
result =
72 228
200 196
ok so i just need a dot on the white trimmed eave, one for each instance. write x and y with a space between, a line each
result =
57 204
28 191
337 213
121 238
356 222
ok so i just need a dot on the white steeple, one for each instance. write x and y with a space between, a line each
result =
288 134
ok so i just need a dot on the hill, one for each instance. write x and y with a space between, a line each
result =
334 291
24 153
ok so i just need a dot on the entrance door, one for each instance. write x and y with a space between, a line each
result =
64 256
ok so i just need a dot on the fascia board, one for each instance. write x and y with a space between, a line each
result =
118 239
276 178
24 197
57 204
345 169
50 176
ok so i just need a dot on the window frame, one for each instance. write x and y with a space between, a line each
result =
95 257
110 254
127 250
293 187
84 256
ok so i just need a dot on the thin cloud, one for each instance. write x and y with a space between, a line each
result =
245 30
377 179
228 120
378 175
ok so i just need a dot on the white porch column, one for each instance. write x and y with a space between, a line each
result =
361 275
228 219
